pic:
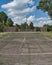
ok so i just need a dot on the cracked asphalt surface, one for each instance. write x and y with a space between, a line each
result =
26 49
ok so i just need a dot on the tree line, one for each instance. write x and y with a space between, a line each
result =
5 21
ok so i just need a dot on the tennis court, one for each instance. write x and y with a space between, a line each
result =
26 49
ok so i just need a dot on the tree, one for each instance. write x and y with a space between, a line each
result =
17 27
31 26
38 28
48 27
9 22
1 26
51 28
24 26
3 17
46 6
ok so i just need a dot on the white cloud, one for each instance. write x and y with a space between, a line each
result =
18 19
19 9
18 4
29 19
43 20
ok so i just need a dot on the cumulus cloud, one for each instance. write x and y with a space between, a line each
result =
19 9
18 4
29 19
43 20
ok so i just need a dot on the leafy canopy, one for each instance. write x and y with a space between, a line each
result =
9 22
3 17
46 6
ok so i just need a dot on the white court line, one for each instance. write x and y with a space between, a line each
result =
24 39
27 54
48 39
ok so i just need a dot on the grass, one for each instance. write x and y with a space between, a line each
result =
1 62
48 34
2 35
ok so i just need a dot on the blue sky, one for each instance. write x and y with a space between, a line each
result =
19 10
4 2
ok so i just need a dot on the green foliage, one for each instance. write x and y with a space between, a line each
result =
24 26
9 22
3 17
31 26
49 27
5 21
37 28
46 5
1 26
17 27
